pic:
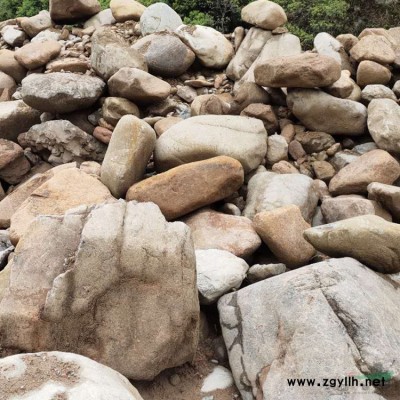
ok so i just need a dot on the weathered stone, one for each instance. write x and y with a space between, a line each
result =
315 142
218 272
375 92
368 238
373 48
50 34
125 10
189 187
87 300
210 46
259 272
374 166
343 87
72 10
138 86
69 375
35 55
214 230
268 328
268 191
52 198
203 137
323 170
13 163
282 231
327 45
319 111
306 70
164 124
265 14
13 36
209 104
36 24
16 117
62 142
372 73
159 17
114 108
110 53
10 66
277 149
387 195
61 92
348 41
68 64
165 54
384 124
186 93
102 18
128 153
265 113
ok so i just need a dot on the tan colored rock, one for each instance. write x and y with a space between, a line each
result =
315 142
214 230
10 66
209 104
7 85
282 231
114 108
68 64
13 163
306 70
38 54
374 166
138 86
65 190
372 73
36 24
373 48
284 167
348 41
128 153
387 195
343 87
125 10
265 113
72 10
369 239
265 14
189 187
277 149
164 124
323 170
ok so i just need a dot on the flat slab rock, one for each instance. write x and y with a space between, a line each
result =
137 312
56 375
311 323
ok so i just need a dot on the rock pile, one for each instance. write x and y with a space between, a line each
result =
156 178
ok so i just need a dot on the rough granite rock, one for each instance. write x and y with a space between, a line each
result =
215 230
72 10
206 136
368 238
191 186
107 269
61 92
36 24
63 375
265 14
312 322
62 142
159 17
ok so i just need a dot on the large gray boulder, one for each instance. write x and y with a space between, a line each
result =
311 323
206 136
62 93
159 17
107 289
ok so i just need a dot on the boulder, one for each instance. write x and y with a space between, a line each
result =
67 375
343 87
218 272
13 163
265 14
384 124
375 92
61 92
114 108
265 113
373 48
13 36
374 166
210 46
138 86
165 54
369 239
61 142
10 66
128 154
306 70
277 149
315 142
86 300
65 190
110 53
125 10
259 272
35 55
36 24
214 230
159 17
372 73
348 40
202 137
16 117
72 10
268 191
102 18
319 111
268 328
209 104
189 187
327 45
387 195
282 231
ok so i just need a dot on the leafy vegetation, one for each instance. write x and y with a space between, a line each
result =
306 17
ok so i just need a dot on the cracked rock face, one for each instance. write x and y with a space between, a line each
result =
107 269
332 319
61 376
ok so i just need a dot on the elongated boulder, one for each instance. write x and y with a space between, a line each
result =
265 14
306 70
189 187
128 153
374 166
368 238
107 289
206 136
319 111
62 93
387 195
373 48
64 375
72 10
311 323
125 10
38 54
